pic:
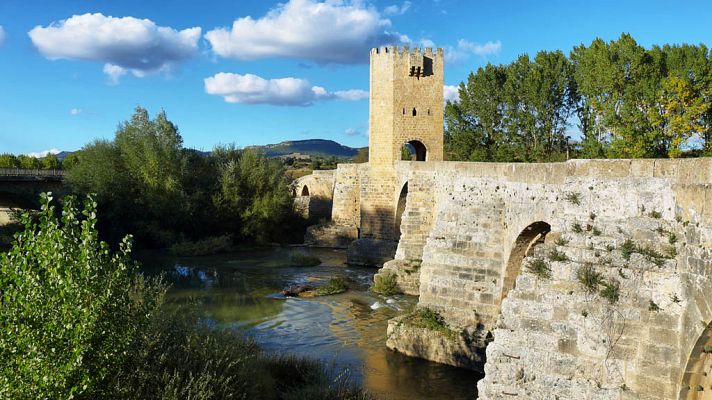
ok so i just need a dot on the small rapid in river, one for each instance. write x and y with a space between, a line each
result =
347 331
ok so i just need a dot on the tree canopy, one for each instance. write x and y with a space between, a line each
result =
625 100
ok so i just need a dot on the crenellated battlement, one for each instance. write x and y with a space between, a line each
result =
404 52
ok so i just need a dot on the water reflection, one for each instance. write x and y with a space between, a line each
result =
347 330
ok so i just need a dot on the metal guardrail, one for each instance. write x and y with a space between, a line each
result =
32 173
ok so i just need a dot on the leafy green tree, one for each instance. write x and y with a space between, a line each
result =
27 162
8 161
51 161
71 309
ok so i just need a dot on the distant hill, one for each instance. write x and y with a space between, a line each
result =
297 148
312 147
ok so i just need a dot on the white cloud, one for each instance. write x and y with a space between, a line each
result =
451 93
75 111
481 50
397 10
354 132
252 89
3 35
335 31
124 44
43 153
465 48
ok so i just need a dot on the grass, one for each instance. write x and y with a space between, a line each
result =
610 291
304 260
556 255
573 198
589 278
655 214
386 284
596 231
539 267
426 318
203 247
652 306
334 286
576 228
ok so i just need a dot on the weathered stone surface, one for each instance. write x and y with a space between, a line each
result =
370 252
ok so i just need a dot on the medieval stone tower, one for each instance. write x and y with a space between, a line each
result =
406 104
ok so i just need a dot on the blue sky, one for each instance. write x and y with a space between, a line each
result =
249 72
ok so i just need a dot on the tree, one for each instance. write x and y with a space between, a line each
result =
27 162
68 317
8 161
50 161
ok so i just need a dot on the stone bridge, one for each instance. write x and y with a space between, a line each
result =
587 279
584 279
20 188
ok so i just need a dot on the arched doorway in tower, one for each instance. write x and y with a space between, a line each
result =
400 208
530 237
697 376
414 150
305 191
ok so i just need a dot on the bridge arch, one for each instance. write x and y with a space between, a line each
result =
416 149
400 208
530 236
304 191
697 374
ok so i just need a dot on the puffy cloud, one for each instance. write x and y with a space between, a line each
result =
124 44
252 89
3 35
43 153
397 10
334 31
353 132
75 111
451 93
465 48
481 50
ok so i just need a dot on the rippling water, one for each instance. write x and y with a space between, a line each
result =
348 330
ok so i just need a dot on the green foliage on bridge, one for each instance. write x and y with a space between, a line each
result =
627 102
50 161
147 184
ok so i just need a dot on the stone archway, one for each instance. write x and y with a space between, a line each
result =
305 191
414 150
400 208
531 236
697 376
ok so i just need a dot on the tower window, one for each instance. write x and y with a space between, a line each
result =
414 112
428 111
403 110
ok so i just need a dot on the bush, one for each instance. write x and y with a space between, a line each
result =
386 284
539 267
627 249
611 291
589 278
304 260
556 255
334 286
203 247
426 318
71 308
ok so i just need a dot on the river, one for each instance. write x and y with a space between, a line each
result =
347 331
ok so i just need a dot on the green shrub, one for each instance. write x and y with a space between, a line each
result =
71 308
562 241
556 255
385 284
203 247
652 306
627 249
655 214
334 286
426 318
576 227
596 232
539 267
611 291
304 260
573 198
589 278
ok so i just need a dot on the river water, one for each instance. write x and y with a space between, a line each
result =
347 331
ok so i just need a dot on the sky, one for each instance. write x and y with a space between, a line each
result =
259 72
